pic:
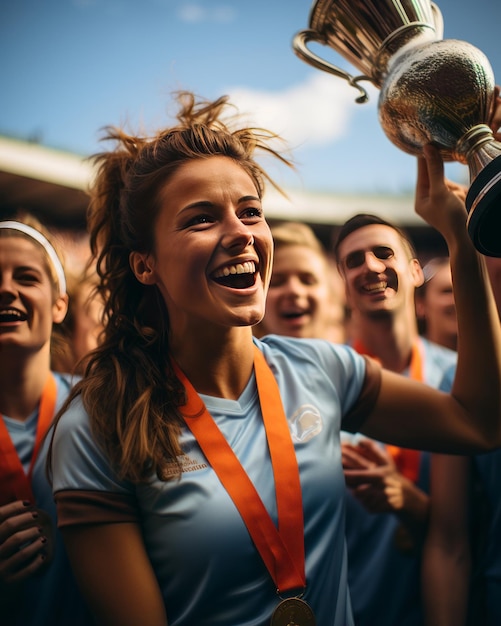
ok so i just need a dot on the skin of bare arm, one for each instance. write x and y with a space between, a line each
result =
118 583
446 553
467 420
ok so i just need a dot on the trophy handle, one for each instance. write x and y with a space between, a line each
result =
299 44
438 20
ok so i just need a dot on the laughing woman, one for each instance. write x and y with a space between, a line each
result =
36 584
196 469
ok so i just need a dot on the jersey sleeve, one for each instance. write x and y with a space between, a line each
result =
367 398
336 373
86 489
357 381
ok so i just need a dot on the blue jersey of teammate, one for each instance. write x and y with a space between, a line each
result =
50 597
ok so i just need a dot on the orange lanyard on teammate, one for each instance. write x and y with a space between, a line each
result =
15 484
406 459
282 549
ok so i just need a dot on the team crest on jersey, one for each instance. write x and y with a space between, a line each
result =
306 423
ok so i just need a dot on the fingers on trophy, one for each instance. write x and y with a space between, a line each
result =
432 90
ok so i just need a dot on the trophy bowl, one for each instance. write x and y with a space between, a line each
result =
432 90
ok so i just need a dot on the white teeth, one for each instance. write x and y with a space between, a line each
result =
249 267
376 286
13 312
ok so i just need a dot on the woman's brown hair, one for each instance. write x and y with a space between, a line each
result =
129 389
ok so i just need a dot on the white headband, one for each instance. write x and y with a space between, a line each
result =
46 245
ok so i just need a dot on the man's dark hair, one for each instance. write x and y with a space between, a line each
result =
366 219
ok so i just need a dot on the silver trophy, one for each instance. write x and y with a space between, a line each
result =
432 90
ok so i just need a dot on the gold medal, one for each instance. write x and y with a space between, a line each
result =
293 612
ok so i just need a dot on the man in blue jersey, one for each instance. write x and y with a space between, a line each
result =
387 500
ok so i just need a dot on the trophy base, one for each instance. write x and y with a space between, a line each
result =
483 203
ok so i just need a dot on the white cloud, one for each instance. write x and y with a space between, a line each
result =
317 111
192 12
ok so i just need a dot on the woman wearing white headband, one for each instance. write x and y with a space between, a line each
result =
36 584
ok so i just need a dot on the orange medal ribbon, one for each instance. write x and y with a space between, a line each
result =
282 548
406 459
15 484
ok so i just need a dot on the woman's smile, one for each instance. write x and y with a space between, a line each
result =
213 248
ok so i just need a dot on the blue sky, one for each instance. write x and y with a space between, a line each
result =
71 67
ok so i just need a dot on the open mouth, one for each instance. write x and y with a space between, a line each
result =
294 315
379 287
11 315
239 276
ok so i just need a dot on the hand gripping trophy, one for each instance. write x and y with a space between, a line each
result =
432 90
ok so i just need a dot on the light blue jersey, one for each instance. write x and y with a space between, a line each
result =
384 571
51 597
207 567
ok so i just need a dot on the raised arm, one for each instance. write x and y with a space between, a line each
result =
477 382
468 420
